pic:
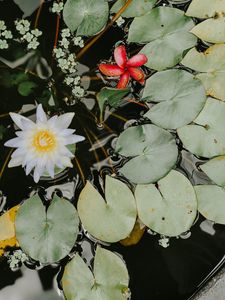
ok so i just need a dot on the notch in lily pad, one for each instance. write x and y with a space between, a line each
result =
47 235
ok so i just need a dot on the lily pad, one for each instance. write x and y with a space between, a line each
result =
47 236
108 220
211 202
204 9
168 208
180 97
135 9
215 170
153 153
211 30
206 137
87 17
28 6
168 34
108 281
211 66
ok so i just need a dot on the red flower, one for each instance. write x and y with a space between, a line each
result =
125 68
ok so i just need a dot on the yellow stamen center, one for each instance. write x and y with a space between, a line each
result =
44 141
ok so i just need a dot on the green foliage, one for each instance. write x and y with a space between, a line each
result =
153 153
179 95
206 137
25 88
108 281
215 170
51 234
204 9
28 6
108 220
170 208
167 33
2 131
137 8
86 17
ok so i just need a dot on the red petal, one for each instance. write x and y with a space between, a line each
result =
136 73
142 81
110 70
137 60
124 80
120 56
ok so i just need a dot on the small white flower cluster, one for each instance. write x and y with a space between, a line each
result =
4 35
18 257
120 21
57 7
66 61
27 35
164 242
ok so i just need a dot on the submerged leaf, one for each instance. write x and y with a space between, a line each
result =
109 280
180 96
7 229
168 34
206 137
153 153
135 235
111 220
211 67
135 9
47 236
88 17
211 202
168 208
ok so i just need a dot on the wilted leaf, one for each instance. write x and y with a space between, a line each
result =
168 208
108 220
135 9
109 280
205 8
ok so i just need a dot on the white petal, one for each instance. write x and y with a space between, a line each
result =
20 120
37 175
67 132
73 139
41 115
15 162
52 121
50 169
19 152
14 143
30 166
66 162
64 120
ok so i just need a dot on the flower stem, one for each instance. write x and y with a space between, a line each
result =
91 42
57 31
5 162
38 14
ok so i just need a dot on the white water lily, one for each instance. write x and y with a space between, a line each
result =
42 145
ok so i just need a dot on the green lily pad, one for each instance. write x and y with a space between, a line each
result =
180 97
108 281
108 220
206 137
204 9
211 30
47 236
168 34
215 170
211 202
28 6
211 64
153 153
87 17
170 208
111 96
135 9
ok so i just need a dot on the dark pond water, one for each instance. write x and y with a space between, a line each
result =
176 272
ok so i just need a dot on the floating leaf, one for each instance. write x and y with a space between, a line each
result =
28 6
135 235
206 137
168 208
88 17
212 67
211 202
135 9
215 170
109 279
211 30
111 220
180 96
110 96
47 236
168 34
26 88
153 149
205 8
7 229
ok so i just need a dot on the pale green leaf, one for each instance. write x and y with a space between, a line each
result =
168 208
135 9
153 152
28 6
179 95
112 219
205 8
215 170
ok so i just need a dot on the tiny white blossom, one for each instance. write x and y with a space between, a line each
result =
66 33
36 32
3 44
69 80
57 7
63 64
120 21
76 80
33 44
58 52
72 70
22 26
78 41
28 37
2 25
164 242
78 91
7 34
65 43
